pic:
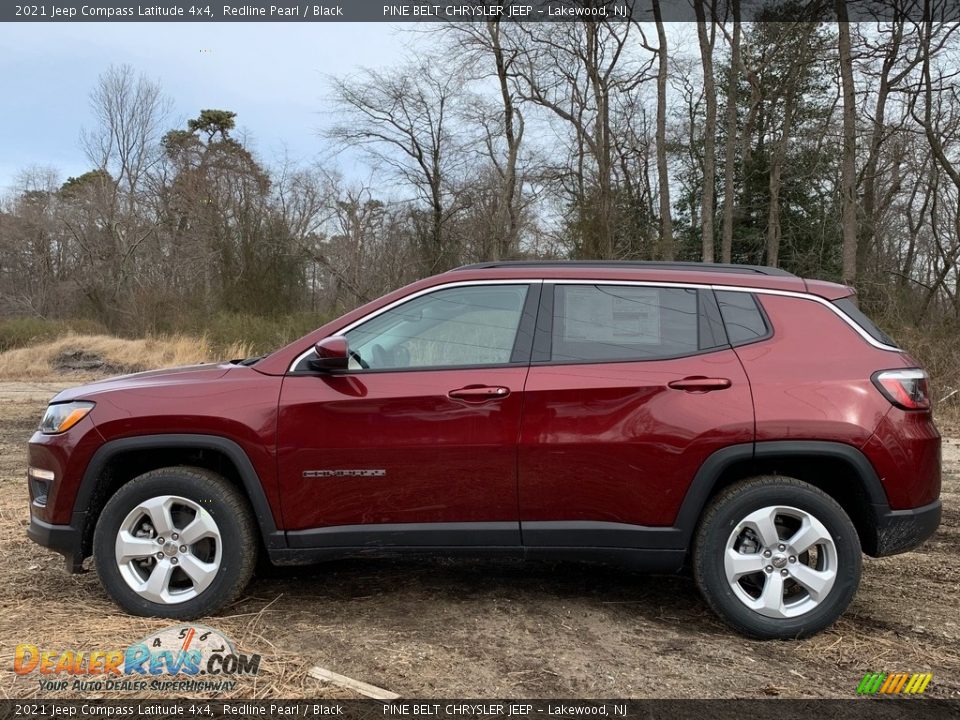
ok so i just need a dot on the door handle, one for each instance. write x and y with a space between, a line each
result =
479 393
699 384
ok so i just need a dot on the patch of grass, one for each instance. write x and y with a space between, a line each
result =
257 333
40 361
23 331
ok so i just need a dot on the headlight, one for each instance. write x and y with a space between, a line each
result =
62 416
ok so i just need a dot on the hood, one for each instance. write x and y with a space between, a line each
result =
148 379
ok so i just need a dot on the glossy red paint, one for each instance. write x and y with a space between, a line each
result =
444 459
66 456
811 380
905 450
612 442
230 401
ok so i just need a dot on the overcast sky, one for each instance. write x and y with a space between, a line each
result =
271 74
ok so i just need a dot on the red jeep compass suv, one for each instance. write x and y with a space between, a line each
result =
747 422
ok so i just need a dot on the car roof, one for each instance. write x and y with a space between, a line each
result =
756 276
632 264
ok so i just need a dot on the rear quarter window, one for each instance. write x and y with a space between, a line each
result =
742 317
850 309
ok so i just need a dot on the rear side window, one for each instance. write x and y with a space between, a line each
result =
742 317
850 309
597 323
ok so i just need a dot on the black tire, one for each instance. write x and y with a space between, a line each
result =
229 510
722 517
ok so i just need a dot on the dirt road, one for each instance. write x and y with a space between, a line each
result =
449 628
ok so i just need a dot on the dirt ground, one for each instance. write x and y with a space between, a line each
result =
445 628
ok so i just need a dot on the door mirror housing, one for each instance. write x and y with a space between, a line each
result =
332 353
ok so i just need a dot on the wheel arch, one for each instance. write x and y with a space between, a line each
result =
118 461
842 471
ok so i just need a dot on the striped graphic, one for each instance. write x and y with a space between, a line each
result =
894 683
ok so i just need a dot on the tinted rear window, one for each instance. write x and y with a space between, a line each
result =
597 323
850 309
742 317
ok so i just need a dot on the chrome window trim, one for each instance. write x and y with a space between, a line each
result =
602 281
407 298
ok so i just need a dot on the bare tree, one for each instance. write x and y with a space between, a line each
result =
404 120
574 70
477 46
131 111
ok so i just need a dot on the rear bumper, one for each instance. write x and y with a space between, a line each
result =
64 539
897 531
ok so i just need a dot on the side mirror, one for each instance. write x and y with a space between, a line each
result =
333 353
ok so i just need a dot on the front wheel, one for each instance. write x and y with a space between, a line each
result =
777 558
177 542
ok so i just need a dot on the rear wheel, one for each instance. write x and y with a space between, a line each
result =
177 542
777 558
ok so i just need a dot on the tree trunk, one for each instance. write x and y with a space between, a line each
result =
513 130
730 147
663 175
848 177
709 129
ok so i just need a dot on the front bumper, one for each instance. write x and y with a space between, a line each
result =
898 531
64 539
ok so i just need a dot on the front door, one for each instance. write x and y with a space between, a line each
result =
417 443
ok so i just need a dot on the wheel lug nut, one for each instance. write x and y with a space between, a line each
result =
782 572
173 561
160 555
767 553
793 558
781 547
160 540
183 548
175 537
769 568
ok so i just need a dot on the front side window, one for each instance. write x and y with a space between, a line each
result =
455 327
597 323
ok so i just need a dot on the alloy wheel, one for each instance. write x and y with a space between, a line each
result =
780 561
168 549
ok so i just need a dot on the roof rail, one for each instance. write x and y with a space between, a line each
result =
639 264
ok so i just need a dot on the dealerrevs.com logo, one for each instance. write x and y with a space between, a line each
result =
183 658
894 683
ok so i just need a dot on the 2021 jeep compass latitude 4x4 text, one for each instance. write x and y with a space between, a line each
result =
744 422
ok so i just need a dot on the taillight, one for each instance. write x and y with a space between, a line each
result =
906 389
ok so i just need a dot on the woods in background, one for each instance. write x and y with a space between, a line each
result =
826 147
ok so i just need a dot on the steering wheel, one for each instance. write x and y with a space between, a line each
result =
360 361
380 356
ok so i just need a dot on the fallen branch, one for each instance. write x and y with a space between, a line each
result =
371 691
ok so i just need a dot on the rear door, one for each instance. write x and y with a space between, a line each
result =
631 388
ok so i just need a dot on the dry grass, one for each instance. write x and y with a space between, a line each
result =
44 361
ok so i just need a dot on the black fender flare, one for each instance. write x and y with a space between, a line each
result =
248 475
717 463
